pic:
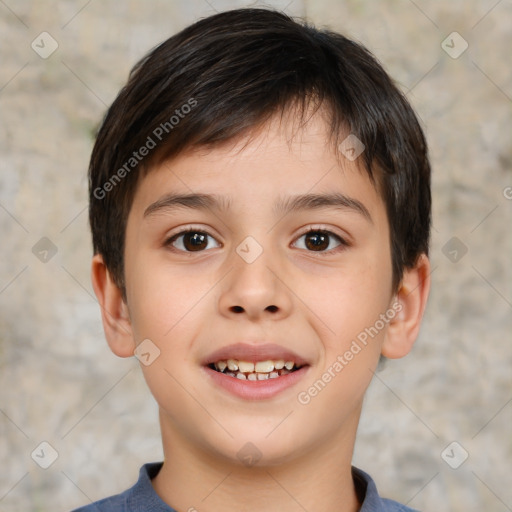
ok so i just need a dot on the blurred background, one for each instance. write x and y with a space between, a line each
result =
435 432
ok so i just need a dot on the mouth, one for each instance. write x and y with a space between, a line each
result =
255 371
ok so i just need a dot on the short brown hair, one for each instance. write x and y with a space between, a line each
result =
229 73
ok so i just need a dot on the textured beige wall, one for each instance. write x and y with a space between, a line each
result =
59 382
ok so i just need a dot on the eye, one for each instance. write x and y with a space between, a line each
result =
320 240
190 240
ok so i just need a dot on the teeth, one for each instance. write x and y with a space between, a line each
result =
261 370
245 367
232 365
260 367
221 366
264 366
258 376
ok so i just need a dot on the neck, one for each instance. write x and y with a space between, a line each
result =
195 479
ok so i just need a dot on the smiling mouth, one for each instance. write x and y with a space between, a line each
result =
260 370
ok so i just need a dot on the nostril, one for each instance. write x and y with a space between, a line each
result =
240 309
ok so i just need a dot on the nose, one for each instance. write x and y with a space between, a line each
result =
257 290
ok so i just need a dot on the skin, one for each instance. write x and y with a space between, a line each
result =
190 304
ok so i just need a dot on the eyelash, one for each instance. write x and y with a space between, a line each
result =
343 244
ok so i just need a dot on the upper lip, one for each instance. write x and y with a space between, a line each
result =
253 353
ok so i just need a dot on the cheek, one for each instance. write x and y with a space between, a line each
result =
351 339
346 300
167 303
146 304
156 301
165 309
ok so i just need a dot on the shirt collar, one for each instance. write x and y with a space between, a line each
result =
142 496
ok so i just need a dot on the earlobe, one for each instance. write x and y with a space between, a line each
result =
114 311
410 303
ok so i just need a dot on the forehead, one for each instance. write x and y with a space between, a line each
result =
277 161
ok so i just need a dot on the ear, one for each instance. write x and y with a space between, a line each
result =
409 303
114 311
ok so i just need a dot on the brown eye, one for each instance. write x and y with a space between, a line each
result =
194 241
321 241
189 241
317 241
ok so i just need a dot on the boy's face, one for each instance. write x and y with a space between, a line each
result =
311 303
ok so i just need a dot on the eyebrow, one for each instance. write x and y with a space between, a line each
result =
283 206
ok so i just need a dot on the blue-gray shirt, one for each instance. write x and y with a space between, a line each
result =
143 498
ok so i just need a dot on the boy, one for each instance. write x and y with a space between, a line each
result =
260 211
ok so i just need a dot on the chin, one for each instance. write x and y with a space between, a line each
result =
256 448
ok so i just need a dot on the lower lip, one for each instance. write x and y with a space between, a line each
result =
256 389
